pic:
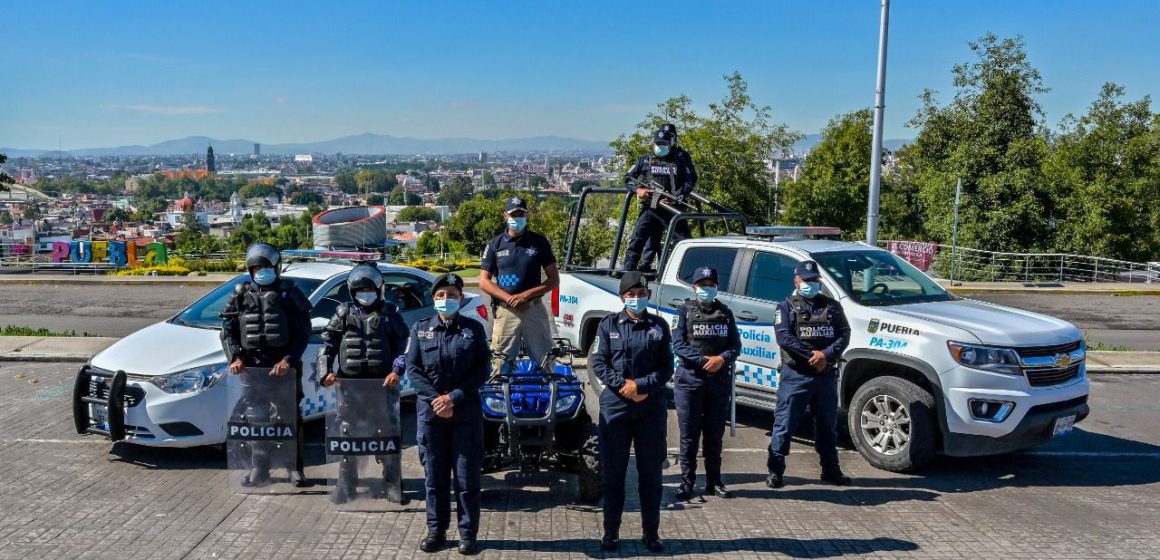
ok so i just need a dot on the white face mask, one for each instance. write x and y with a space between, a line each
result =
366 298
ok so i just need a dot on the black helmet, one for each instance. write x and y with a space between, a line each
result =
262 255
365 277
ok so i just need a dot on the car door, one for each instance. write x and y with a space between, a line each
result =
316 399
767 280
671 296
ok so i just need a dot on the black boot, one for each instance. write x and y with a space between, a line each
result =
836 478
774 481
609 543
298 479
433 542
685 491
468 547
653 544
718 489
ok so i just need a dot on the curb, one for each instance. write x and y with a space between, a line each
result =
1055 291
127 281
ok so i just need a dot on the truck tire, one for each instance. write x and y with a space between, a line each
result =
588 476
893 425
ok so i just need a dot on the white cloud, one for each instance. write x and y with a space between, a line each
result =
168 109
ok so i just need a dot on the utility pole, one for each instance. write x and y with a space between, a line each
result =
876 145
955 230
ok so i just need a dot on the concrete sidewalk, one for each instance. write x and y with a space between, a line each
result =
80 349
211 279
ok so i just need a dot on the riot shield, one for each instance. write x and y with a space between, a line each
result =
261 447
363 445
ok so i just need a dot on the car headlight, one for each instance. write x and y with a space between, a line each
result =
190 380
988 358
566 402
495 404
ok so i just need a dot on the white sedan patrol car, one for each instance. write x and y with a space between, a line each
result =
167 385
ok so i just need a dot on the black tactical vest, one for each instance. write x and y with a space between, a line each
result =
264 322
364 348
817 329
708 327
663 173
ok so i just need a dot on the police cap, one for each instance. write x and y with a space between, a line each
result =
515 203
806 270
630 280
664 138
704 273
448 279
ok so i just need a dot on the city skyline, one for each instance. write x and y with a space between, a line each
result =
136 73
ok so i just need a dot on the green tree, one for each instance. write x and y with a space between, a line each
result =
729 145
578 185
345 181
31 211
537 182
375 199
117 215
400 196
260 190
5 180
988 137
487 180
5 217
307 197
457 190
476 222
1104 165
417 214
833 185
254 228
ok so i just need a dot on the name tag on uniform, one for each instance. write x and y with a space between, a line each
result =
825 331
711 330
654 334
502 253
661 170
613 334
426 335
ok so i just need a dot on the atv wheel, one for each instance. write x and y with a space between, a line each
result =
588 475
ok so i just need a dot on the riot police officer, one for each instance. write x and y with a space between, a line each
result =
447 361
266 323
812 332
706 341
368 337
633 358
670 168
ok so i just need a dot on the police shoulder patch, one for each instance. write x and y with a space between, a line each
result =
777 316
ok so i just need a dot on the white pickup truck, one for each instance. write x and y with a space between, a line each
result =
926 371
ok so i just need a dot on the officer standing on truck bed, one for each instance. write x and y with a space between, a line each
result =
812 332
447 361
368 337
633 358
706 341
510 274
669 168
266 323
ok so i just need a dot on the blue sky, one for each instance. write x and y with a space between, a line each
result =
135 72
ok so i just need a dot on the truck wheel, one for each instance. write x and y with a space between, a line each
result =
588 477
892 423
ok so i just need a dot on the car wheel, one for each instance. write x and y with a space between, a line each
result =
589 481
892 424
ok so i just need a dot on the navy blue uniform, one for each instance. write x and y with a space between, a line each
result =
515 263
703 397
640 350
804 325
674 173
450 358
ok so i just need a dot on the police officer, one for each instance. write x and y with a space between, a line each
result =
510 274
670 168
812 332
707 342
368 337
266 323
633 358
447 362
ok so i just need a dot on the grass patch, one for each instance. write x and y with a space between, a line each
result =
13 330
1104 347
468 272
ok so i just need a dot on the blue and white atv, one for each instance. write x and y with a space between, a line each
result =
537 419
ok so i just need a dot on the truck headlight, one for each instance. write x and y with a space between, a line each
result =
495 404
191 380
566 402
987 358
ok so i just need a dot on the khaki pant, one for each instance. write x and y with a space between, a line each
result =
530 328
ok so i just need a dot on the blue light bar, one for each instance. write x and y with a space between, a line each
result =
775 231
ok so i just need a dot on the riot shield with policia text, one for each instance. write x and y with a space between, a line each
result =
363 445
261 447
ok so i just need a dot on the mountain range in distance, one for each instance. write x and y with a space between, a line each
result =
366 143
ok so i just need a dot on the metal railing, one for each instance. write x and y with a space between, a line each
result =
976 265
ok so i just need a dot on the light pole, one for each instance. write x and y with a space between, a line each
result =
876 144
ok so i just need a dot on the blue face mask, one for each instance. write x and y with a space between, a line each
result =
517 223
447 307
636 304
661 151
706 293
810 289
265 276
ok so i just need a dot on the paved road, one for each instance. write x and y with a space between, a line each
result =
1094 494
1133 322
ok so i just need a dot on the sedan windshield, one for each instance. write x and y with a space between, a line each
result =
880 278
203 313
